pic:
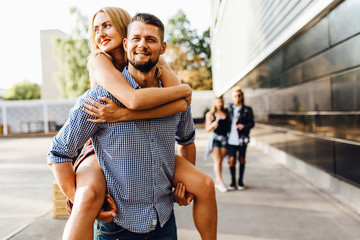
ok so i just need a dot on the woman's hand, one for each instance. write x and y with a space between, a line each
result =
214 125
108 211
109 112
181 196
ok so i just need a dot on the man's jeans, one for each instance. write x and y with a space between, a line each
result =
112 231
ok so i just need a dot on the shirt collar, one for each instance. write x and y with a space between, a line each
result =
132 81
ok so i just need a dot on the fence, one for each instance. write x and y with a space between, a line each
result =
44 116
33 115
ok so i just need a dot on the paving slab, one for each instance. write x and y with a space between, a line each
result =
277 203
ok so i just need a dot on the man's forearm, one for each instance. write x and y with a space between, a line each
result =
188 152
65 178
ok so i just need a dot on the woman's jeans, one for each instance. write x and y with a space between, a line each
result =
112 231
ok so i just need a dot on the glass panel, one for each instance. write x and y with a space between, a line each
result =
344 126
338 126
313 96
259 105
301 147
346 91
274 138
308 43
338 58
344 21
275 64
324 154
276 101
348 161
292 76
314 151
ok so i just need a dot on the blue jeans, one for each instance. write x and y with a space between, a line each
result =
112 231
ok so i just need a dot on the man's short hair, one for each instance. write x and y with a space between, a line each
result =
236 89
148 18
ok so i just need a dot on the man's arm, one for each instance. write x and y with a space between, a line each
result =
185 137
65 178
75 132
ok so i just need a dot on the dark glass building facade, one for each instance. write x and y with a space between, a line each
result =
306 93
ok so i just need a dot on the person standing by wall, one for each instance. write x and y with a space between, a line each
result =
242 120
217 121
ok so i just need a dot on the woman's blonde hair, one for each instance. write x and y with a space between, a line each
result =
213 108
119 19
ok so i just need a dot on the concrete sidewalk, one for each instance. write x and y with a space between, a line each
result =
277 203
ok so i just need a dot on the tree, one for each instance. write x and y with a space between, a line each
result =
73 79
23 91
189 54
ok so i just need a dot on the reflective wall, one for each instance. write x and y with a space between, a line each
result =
309 104
244 33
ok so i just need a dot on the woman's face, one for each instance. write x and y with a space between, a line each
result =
107 37
218 102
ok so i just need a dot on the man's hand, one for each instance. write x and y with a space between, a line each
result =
181 196
108 211
239 126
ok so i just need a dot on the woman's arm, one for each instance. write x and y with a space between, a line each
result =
111 112
105 74
168 76
210 124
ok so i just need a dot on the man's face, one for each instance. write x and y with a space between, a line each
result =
237 97
143 46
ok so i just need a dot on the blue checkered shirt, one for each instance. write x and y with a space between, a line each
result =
137 158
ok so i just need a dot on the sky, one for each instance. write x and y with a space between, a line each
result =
22 20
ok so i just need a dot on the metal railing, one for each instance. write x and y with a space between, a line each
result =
33 115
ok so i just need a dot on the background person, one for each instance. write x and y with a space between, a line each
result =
242 120
217 122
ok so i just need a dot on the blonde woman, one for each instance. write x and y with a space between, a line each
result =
217 122
87 188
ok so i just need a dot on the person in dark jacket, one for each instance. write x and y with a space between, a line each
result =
242 120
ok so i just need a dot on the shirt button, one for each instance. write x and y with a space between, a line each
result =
154 183
152 140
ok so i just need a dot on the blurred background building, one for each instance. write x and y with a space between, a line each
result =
50 63
298 62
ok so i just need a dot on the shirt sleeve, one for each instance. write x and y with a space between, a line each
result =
185 133
74 134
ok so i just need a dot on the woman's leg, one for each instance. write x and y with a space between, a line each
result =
202 186
218 156
89 198
217 164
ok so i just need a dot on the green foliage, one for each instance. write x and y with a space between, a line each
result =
189 53
73 79
23 91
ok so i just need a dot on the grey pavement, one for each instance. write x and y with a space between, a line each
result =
277 204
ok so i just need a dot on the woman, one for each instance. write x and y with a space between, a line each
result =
87 188
217 121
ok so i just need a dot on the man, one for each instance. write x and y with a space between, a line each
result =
137 157
242 120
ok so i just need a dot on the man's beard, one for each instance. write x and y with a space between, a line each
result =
143 67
